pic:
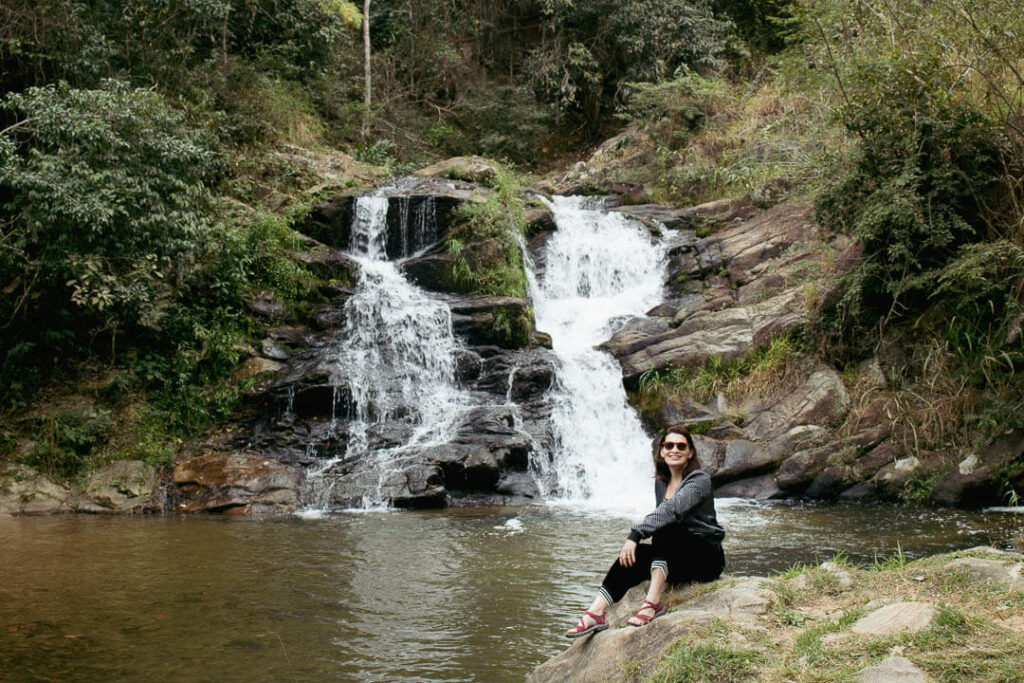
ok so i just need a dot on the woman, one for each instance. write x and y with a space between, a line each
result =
686 542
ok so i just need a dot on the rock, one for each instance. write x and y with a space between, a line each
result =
685 411
990 571
973 482
797 471
218 482
269 307
740 600
269 348
821 400
893 670
254 367
502 320
726 334
891 481
23 491
327 263
601 657
124 486
843 577
424 204
763 487
474 169
864 492
900 617
734 459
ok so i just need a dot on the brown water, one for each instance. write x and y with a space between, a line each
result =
460 595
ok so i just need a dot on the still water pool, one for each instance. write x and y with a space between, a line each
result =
457 595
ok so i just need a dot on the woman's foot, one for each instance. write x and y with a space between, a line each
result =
589 623
648 613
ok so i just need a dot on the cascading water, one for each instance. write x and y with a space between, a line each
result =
599 268
396 356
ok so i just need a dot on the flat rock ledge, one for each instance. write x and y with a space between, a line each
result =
895 622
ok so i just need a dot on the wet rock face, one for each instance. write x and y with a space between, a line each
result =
418 213
308 415
236 482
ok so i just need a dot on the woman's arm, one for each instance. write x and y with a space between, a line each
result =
694 489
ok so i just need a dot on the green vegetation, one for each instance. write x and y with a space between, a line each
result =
492 262
154 156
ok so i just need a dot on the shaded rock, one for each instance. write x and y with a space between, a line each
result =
269 307
217 482
419 211
891 481
269 348
123 486
893 670
518 486
23 491
474 169
501 320
864 492
327 263
991 571
763 487
539 219
800 469
410 483
254 367
973 482
900 617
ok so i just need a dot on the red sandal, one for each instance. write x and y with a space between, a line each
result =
582 629
658 608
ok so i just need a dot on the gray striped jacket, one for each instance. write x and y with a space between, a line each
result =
693 506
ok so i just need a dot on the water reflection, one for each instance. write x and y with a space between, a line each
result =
461 595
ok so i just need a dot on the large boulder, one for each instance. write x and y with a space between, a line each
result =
127 486
24 491
236 482
603 656
822 399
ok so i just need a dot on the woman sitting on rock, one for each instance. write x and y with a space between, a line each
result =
686 542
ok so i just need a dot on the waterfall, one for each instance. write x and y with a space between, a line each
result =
396 355
600 268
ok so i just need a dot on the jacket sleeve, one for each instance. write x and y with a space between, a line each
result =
695 489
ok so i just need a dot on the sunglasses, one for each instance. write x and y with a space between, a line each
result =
675 445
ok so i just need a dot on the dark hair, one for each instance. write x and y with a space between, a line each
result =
661 470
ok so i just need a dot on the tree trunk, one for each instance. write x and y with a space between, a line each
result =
366 69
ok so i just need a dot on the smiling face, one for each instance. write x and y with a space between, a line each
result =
676 450
674 453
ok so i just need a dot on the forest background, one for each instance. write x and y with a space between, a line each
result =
155 156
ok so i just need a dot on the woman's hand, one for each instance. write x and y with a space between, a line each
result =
627 556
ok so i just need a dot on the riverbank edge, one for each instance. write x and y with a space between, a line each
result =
953 616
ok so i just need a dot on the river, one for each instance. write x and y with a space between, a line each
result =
456 595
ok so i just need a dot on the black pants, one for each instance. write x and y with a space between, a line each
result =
684 557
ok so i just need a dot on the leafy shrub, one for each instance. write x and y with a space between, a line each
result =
912 192
109 207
